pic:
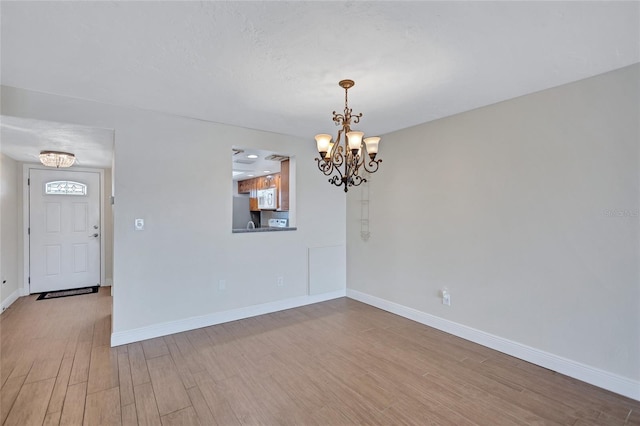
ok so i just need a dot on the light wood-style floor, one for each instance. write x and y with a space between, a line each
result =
335 363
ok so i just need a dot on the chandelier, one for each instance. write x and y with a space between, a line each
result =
57 159
344 160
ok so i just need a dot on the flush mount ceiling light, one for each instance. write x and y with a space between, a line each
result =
57 159
346 161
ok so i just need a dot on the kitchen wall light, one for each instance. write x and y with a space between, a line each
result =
346 162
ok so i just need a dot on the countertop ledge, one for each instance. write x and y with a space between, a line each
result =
247 231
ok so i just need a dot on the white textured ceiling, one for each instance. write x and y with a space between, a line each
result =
275 65
24 138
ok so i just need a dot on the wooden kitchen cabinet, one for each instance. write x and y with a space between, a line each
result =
266 182
283 187
253 203
251 187
244 186
253 195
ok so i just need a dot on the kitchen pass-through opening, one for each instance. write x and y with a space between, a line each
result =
263 191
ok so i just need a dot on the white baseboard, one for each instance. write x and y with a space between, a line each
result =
9 300
603 379
164 329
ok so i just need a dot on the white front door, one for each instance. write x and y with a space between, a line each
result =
64 222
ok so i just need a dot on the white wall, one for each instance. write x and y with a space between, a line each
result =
514 207
9 248
169 272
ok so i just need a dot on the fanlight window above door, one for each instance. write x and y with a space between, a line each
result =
65 187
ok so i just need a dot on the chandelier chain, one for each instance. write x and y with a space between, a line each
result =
346 99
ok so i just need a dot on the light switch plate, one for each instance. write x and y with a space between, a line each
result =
139 224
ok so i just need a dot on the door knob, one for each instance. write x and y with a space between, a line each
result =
94 235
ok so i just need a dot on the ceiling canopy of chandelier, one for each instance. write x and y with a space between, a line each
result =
344 160
57 159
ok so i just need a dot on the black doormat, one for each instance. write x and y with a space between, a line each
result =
66 293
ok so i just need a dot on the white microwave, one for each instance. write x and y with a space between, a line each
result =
267 199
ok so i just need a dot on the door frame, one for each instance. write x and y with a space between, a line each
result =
26 260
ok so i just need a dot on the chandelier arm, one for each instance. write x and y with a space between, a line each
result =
335 180
350 169
339 174
373 165
339 138
356 162
350 176
337 156
357 180
326 167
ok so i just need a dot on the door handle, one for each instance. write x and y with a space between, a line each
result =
94 235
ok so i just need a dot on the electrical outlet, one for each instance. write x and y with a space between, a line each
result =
222 285
280 281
